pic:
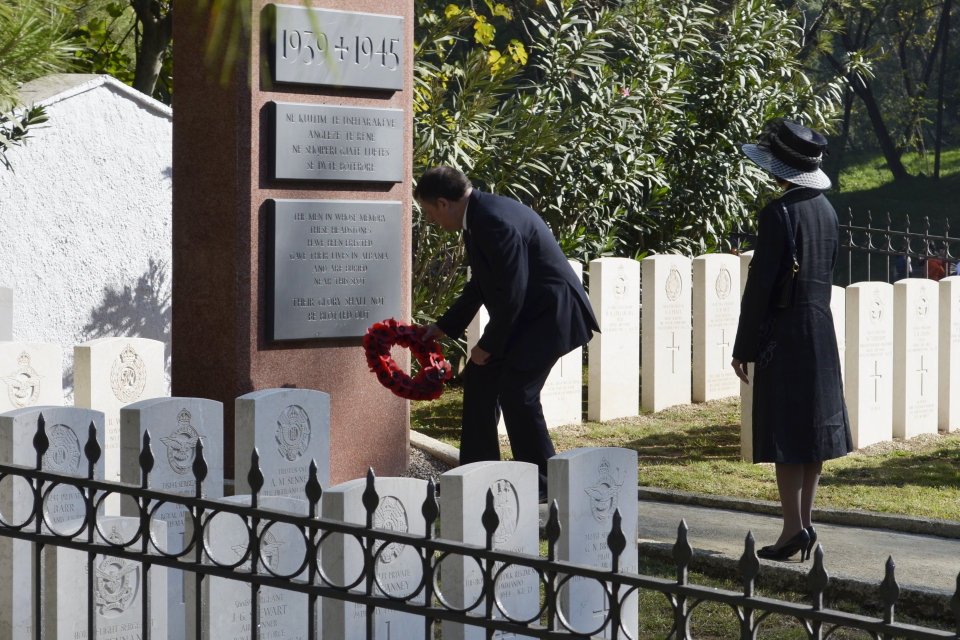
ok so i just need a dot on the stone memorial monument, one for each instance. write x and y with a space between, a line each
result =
949 356
32 375
589 484
289 428
614 353
915 332
67 429
110 373
869 355
746 391
118 589
6 314
176 425
838 308
716 309
666 332
462 503
306 200
226 616
399 569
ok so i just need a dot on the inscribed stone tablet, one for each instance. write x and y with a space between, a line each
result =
32 375
226 614
110 373
869 371
949 359
6 314
462 503
67 429
614 353
335 48
175 426
915 333
399 569
334 267
289 428
746 390
716 309
117 587
589 484
838 308
666 332
344 144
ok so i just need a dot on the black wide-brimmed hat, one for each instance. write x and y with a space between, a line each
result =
791 152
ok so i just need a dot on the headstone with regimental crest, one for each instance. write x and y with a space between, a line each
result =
666 332
30 375
869 362
716 308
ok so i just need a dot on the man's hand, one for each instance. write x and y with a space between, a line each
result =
479 356
433 332
741 368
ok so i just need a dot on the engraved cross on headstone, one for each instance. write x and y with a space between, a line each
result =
674 347
604 610
922 371
876 375
723 344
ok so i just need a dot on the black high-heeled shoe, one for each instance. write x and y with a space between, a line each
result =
799 542
813 542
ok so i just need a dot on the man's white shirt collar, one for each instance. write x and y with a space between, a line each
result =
465 214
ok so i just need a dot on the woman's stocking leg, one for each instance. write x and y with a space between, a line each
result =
790 483
811 479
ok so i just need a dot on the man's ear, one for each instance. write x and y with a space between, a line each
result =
443 204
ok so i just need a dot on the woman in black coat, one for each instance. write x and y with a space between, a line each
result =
786 330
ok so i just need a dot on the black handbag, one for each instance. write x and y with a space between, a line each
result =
786 292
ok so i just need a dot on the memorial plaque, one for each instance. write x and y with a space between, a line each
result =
336 267
345 144
334 48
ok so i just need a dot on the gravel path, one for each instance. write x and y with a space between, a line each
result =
425 466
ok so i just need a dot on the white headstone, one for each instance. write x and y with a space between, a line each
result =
176 425
399 568
289 428
716 308
67 429
6 314
32 375
746 390
462 503
666 332
869 369
118 589
110 373
589 484
916 317
949 360
226 614
838 308
614 353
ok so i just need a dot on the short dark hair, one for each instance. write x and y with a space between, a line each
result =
442 182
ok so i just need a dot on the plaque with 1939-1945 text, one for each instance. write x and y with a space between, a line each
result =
307 45
334 267
325 142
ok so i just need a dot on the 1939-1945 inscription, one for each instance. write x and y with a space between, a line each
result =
334 48
322 142
334 267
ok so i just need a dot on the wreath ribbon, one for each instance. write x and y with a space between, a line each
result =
434 370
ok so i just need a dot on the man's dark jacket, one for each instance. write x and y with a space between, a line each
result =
538 309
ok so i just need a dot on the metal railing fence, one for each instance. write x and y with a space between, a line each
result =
427 601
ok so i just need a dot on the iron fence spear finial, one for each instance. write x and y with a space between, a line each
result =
200 468
430 509
682 553
490 520
146 460
313 490
749 564
553 530
889 591
370 499
40 441
92 449
818 578
255 478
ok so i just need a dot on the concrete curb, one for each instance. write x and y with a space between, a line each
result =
442 452
868 519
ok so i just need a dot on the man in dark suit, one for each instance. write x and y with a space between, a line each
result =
538 312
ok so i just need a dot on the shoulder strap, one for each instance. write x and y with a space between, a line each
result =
788 223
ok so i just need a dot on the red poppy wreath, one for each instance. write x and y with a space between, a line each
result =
434 370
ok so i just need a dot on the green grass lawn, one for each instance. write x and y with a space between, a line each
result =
696 448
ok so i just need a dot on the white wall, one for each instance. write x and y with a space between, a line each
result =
86 222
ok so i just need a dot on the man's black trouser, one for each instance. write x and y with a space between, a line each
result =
494 387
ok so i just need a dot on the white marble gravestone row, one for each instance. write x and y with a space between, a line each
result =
118 589
176 425
462 504
67 429
666 332
949 358
915 332
716 309
614 353
226 614
869 362
838 309
6 314
398 569
746 390
110 373
289 428
31 375
589 485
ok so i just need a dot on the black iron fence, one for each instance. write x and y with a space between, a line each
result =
427 599
878 252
